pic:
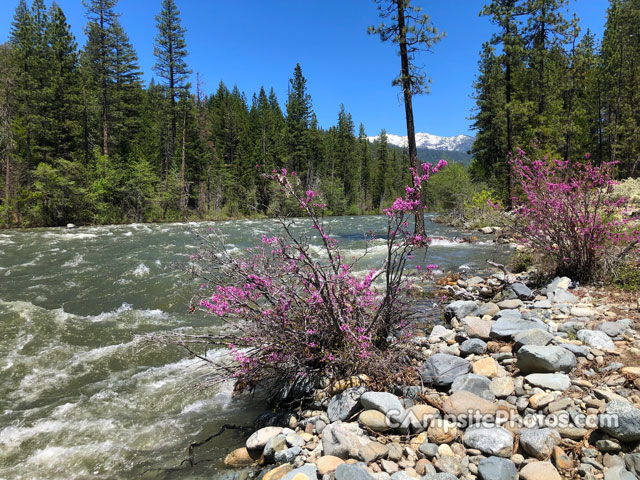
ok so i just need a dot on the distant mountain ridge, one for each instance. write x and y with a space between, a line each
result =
433 147
459 143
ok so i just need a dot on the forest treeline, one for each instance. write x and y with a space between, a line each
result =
84 140
545 85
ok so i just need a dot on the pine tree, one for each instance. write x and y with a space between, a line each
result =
505 14
299 113
490 146
7 86
170 50
364 154
127 91
63 110
23 54
413 32
100 57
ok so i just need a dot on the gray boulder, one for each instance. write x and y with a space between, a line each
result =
473 346
343 440
476 384
288 455
308 469
597 339
613 329
619 473
442 369
534 336
460 309
345 404
632 461
577 350
347 471
496 468
539 442
537 359
621 420
560 295
440 476
549 381
522 291
384 402
506 327
489 440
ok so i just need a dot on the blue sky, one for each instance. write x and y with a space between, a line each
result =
258 42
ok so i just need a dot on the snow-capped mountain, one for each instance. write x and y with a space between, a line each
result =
459 143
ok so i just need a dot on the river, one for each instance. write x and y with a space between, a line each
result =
79 396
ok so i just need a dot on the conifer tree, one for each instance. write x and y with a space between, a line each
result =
299 111
63 112
100 56
413 32
170 50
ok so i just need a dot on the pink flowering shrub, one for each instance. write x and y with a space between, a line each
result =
295 318
565 212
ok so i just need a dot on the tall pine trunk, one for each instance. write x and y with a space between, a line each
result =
408 107
183 185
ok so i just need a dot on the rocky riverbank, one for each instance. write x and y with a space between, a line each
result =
536 385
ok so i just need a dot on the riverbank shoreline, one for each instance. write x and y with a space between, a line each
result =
561 353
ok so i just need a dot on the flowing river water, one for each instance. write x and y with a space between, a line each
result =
79 396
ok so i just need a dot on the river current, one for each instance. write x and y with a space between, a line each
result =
79 396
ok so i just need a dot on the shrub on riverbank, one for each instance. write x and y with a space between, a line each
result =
299 313
564 211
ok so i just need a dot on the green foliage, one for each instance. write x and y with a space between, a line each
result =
627 277
521 261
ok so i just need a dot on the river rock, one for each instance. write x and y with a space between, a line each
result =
539 471
621 420
345 404
511 303
532 337
384 402
307 471
442 369
375 420
560 295
582 312
473 346
489 440
613 329
328 464
448 464
429 450
475 327
343 440
460 309
439 476
274 444
522 291
476 384
287 455
278 472
539 442
496 468
462 403
619 473
559 282
486 367
488 308
372 451
632 461
507 327
577 350
502 387
550 359
441 333
418 417
259 439
596 339
241 457
442 431
348 471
